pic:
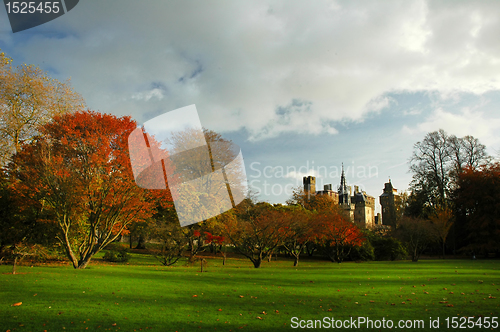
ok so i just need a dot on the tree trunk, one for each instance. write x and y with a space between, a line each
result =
83 264
14 266
69 251
310 250
296 261
130 240
256 262
223 258
141 243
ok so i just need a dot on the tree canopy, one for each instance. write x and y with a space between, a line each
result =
29 98
78 171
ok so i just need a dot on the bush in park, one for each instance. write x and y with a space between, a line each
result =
365 252
115 256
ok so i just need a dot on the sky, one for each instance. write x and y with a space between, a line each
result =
300 86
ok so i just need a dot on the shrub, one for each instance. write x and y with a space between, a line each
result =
120 256
389 248
365 252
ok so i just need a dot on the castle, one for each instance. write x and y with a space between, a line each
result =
359 205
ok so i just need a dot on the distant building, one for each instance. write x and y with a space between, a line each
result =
359 206
388 200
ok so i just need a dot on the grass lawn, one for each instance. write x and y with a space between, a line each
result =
146 296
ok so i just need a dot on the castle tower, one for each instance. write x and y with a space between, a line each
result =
309 184
343 190
388 200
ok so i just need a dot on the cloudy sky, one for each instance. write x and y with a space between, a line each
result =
300 86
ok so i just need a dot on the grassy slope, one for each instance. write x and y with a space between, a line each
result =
144 295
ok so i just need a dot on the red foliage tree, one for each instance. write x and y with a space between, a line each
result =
477 202
297 230
78 168
255 230
336 235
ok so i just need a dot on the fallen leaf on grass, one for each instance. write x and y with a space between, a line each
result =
443 301
258 317
219 309
241 296
449 305
195 295
17 304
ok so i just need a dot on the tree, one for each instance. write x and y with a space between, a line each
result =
430 164
438 160
255 230
417 234
336 234
207 179
477 209
172 240
29 99
78 169
442 220
297 231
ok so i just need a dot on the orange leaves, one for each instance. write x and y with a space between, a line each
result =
17 304
79 170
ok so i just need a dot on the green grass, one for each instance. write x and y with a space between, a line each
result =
144 295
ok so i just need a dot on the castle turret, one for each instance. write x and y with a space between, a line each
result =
309 184
388 200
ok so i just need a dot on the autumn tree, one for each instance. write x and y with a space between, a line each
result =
29 98
336 234
208 175
78 169
477 209
442 220
297 230
254 231
320 205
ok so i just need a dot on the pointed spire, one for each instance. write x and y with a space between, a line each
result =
343 190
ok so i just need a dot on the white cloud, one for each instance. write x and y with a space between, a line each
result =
240 62
462 123
146 96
